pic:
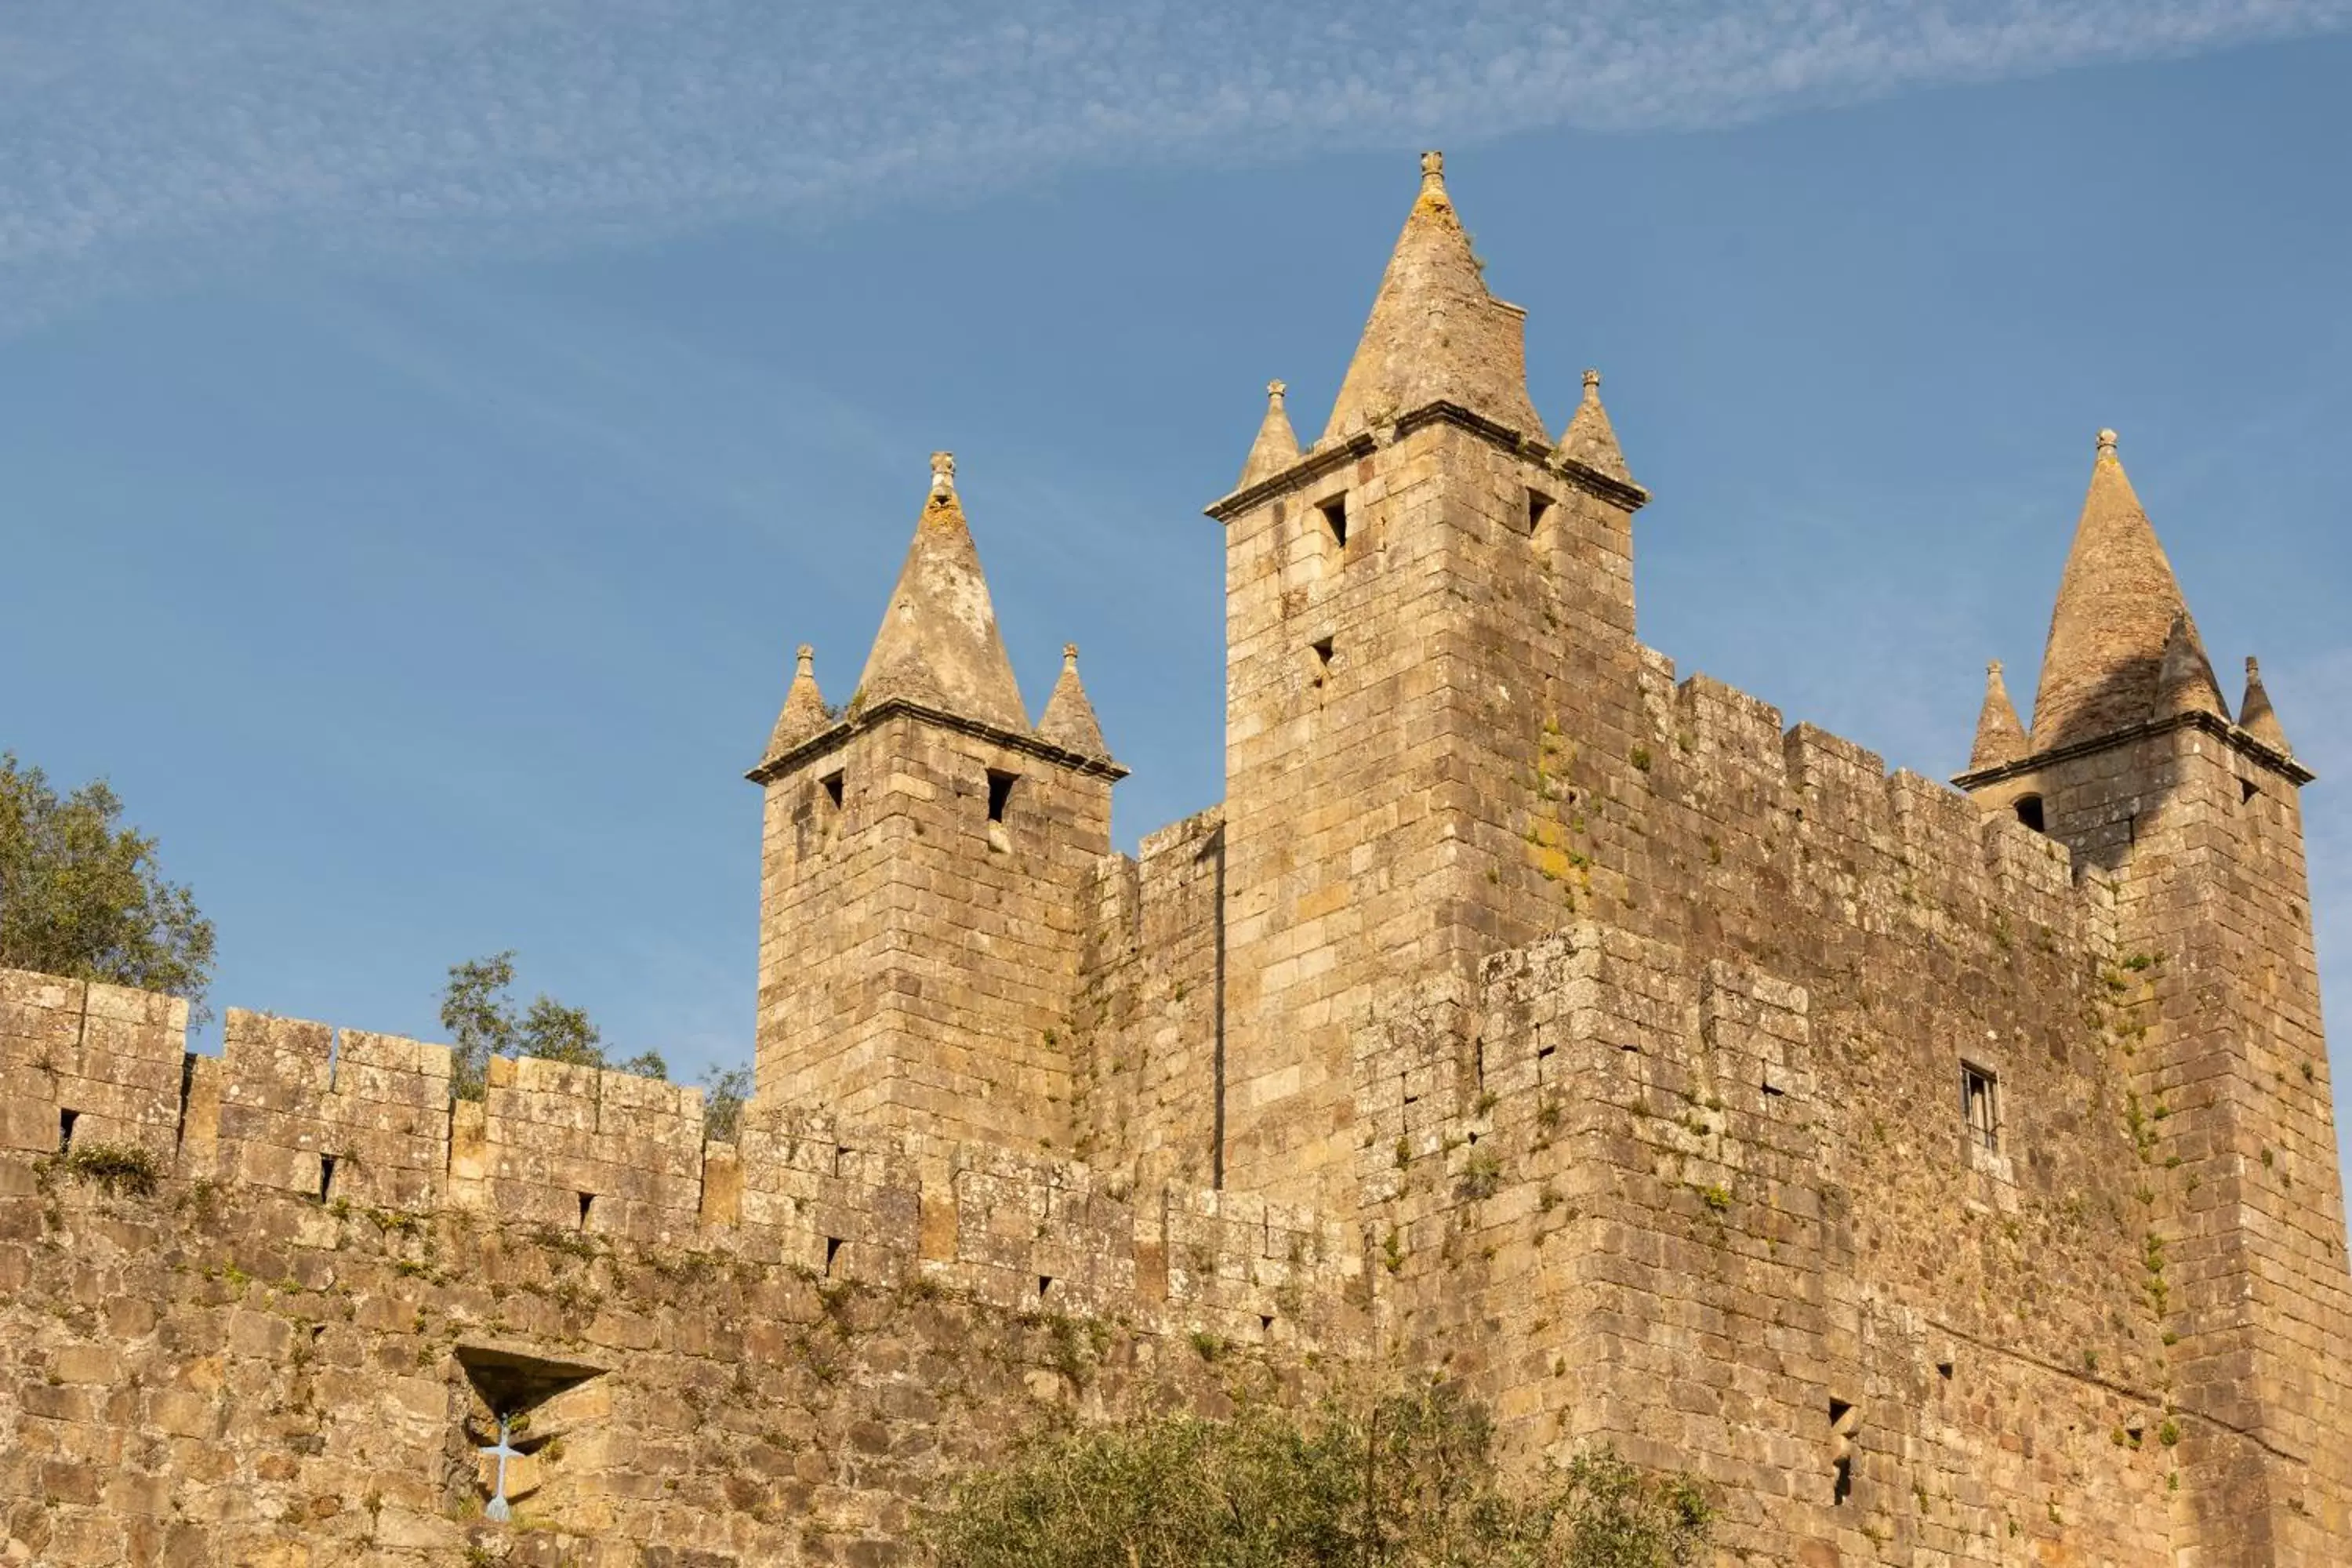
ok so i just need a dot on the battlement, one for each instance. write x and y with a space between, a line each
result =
344 1117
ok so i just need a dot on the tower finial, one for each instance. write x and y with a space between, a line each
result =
2106 443
2000 738
942 473
1432 170
1592 383
1273 391
804 661
1070 655
1277 447
1069 719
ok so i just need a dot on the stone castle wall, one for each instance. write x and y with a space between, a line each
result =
762 1353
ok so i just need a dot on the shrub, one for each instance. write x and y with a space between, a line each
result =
1405 1481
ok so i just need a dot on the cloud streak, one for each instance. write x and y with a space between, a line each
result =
153 141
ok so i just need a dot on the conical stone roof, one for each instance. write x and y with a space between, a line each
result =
804 711
2116 603
2001 739
1069 721
1589 439
1277 447
939 646
1436 335
2257 717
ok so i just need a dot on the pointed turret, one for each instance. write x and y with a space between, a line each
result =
1277 447
2255 715
2184 680
2102 668
939 646
2001 739
1589 439
804 711
1069 721
1436 335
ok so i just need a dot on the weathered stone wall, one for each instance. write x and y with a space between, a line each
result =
760 1353
1147 1027
919 962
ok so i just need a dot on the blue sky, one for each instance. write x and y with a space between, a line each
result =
428 429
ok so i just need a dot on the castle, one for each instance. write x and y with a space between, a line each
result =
1942 1177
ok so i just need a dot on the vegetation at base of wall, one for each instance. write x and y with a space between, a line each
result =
483 1022
114 1168
1408 1480
81 895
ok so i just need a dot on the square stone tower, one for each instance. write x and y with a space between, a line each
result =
2134 762
922 855
1394 593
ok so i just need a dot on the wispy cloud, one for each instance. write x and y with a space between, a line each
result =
147 140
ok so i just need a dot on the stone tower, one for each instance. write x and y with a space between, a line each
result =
2134 764
1427 565
923 850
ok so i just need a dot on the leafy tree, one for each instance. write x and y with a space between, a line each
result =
722 1106
1407 1482
483 1022
81 895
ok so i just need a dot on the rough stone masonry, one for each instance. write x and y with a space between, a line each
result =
1944 1177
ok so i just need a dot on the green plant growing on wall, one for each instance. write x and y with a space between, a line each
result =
1408 1480
113 1168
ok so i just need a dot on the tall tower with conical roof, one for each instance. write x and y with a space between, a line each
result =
2134 762
923 851
1401 595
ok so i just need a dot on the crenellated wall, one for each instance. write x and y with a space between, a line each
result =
752 1353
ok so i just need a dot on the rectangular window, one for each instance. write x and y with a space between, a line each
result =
1335 518
326 1178
1981 1106
66 1119
1538 504
1000 792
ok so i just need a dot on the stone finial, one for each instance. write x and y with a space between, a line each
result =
2106 443
2000 738
1432 170
1589 439
1277 447
942 473
805 714
2184 680
1069 719
2257 717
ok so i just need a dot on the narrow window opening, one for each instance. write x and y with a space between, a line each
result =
1770 1088
2029 811
2246 792
587 1201
1944 1369
1266 1322
66 1119
831 1252
326 1177
1335 518
1539 504
830 785
1044 1286
1979 1105
1000 793
1842 1425
1320 671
